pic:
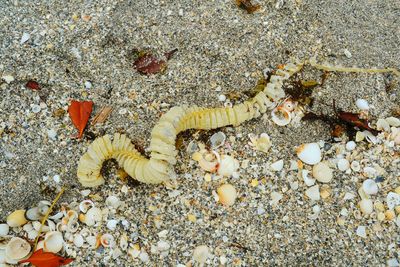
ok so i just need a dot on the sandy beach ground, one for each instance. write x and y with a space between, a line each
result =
84 50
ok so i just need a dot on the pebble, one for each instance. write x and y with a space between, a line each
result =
56 178
52 134
366 206
277 165
322 172
8 78
313 193
361 231
347 53
362 104
201 254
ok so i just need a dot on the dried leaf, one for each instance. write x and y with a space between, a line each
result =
33 85
46 259
147 64
248 6
79 112
102 115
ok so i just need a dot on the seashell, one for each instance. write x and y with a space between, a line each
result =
112 224
395 135
394 122
57 216
85 205
263 143
370 137
392 200
362 104
351 145
370 187
201 254
309 153
123 242
343 165
4 229
390 215
355 166
382 124
78 240
163 245
210 166
92 216
227 194
53 242
281 116
3 258
32 234
36 225
227 166
33 214
217 140
370 172
72 226
307 180
17 218
277 165
113 202
322 172
289 105
107 240
43 207
313 193
275 198
40 245
359 136
16 250
366 206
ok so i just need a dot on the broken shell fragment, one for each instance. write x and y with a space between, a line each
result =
277 165
362 104
370 187
17 218
322 172
4 229
343 164
107 240
16 249
217 140
227 166
33 214
307 180
78 240
92 216
366 206
85 205
113 202
53 242
281 116
227 194
309 153
201 254
313 193
263 143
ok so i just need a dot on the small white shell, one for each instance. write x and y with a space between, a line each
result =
227 166
392 200
281 116
201 254
4 229
32 234
370 187
370 172
382 124
93 216
355 166
92 241
275 198
17 218
33 214
263 143
123 242
309 153
78 240
362 104
343 164
36 225
313 193
217 140
322 172
366 206
85 205
394 122
227 194
307 180
112 224
113 202
107 240
53 242
351 145
17 249
277 165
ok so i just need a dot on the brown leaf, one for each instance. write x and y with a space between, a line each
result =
79 112
46 259
248 6
147 64
102 115
33 85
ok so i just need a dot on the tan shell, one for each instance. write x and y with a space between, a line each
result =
17 218
53 242
16 250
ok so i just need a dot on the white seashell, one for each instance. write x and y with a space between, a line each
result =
362 104
92 241
163 245
293 165
313 193
263 143
227 194
93 216
281 116
351 145
123 242
43 207
322 172
307 180
45 228
395 135
85 205
144 256
3 258
309 153
17 218
348 196
113 202
78 240
275 198
201 254
392 200
370 137
366 206
4 229
370 172
361 231
217 140
27 227
343 164
32 234
72 226
112 224
370 187
33 214
394 122
227 166
40 245
53 242
277 165
359 136
382 124
355 166
107 240
16 250
56 216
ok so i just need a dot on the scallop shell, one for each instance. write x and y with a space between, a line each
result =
53 242
4 229
281 116
309 153
17 218
107 240
16 250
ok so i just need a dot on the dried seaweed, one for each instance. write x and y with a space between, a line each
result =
248 6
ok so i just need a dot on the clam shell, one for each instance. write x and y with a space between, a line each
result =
78 240
16 250
313 193
53 242
201 254
277 165
85 205
393 121
343 164
93 216
309 153
227 194
107 240
33 214
281 116
366 206
112 224
113 202
217 140
4 229
322 172
17 218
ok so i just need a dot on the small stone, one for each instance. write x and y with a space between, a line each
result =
370 187
221 98
366 206
347 53
313 193
275 198
343 165
52 134
201 254
277 165
322 172
8 78
25 37
56 178
361 231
